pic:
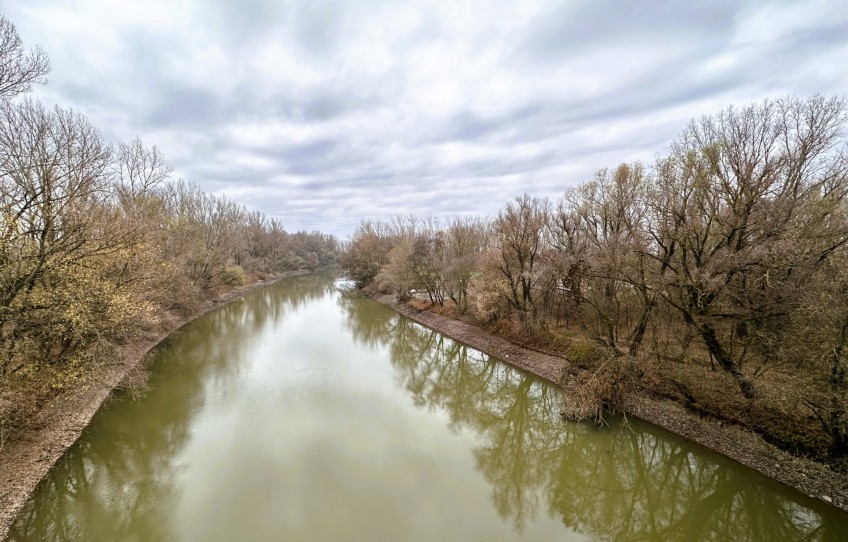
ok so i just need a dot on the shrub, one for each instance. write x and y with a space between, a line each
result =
233 275
604 390
584 353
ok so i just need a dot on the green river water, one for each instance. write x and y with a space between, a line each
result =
303 413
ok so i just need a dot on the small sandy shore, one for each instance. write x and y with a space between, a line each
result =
27 459
809 477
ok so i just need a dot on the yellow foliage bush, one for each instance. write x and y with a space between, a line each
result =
233 275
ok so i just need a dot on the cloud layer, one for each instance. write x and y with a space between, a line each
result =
324 112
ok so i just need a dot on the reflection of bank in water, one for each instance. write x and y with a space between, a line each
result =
627 479
266 414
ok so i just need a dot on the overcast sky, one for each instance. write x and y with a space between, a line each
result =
324 112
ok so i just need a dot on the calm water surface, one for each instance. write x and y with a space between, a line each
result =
302 413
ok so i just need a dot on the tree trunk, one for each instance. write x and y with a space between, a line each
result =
726 361
641 326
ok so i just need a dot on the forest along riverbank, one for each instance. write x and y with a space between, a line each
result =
26 459
807 476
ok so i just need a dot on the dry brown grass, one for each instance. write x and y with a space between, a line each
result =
420 304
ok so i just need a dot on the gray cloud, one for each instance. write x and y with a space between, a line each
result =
246 22
321 113
186 107
571 27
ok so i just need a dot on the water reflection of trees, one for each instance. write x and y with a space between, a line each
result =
640 484
369 323
613 483
118 479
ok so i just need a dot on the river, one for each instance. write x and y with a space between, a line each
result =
303 412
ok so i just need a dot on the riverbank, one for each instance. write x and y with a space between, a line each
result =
811 478
26 460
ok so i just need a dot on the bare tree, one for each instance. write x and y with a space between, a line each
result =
52 179
519 236
139 170
19 69
598 235
464 243
366 252
743 212
817 339
208 231
397 274
56 223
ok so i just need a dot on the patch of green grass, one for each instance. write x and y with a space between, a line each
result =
583 352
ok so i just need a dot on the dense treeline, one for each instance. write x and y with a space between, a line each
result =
99 242
724 262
